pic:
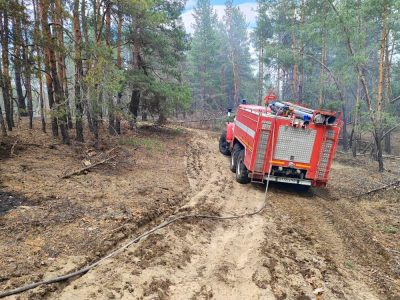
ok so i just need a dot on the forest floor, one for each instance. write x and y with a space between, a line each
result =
327 240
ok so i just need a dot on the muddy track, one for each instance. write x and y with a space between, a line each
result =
297 245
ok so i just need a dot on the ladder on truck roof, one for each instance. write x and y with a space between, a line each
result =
260 145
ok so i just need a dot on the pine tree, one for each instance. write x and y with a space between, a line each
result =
202 58
341 50
239 53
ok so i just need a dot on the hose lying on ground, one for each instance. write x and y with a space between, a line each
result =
173 219
135 240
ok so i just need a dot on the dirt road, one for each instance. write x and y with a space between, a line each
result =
291 250
302 243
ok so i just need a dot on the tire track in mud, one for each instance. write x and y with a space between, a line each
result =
284 253
192 255
292 259
204 171
315 246
194 165
223 266
254 254
360 250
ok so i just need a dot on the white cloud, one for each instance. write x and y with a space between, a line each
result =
249 9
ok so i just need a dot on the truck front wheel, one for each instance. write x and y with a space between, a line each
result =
242 174
223 144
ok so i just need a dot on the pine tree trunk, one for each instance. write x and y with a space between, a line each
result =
52 61
295 84
301 81
17 36
355 121
375 118
223 86
84 96
345 142
321 99
59 99
379 100
379 152
162 118
278 83
355 132
4 32
144 115
57 67
65 88
387 92
119 65
28 83
78 74
39 62
2 122
41 99
236 82
12 107
260 74
95 123
111 112
43 9
28 78
283 83
135 97
96 106
134 106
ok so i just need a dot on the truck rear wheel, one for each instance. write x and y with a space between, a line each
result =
242 174
233 162
223 144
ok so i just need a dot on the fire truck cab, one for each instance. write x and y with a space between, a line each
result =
282 141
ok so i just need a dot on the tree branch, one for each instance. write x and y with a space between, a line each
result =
337 83
389 131
395 99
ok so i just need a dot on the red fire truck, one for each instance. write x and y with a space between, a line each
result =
281 141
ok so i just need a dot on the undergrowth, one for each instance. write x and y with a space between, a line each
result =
147 143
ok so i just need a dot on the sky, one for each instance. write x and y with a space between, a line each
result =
248 7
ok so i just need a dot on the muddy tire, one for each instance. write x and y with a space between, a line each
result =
223 144
242 174
233 161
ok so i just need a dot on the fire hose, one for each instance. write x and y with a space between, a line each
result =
166 223
135 240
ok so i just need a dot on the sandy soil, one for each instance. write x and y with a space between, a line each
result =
326 240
